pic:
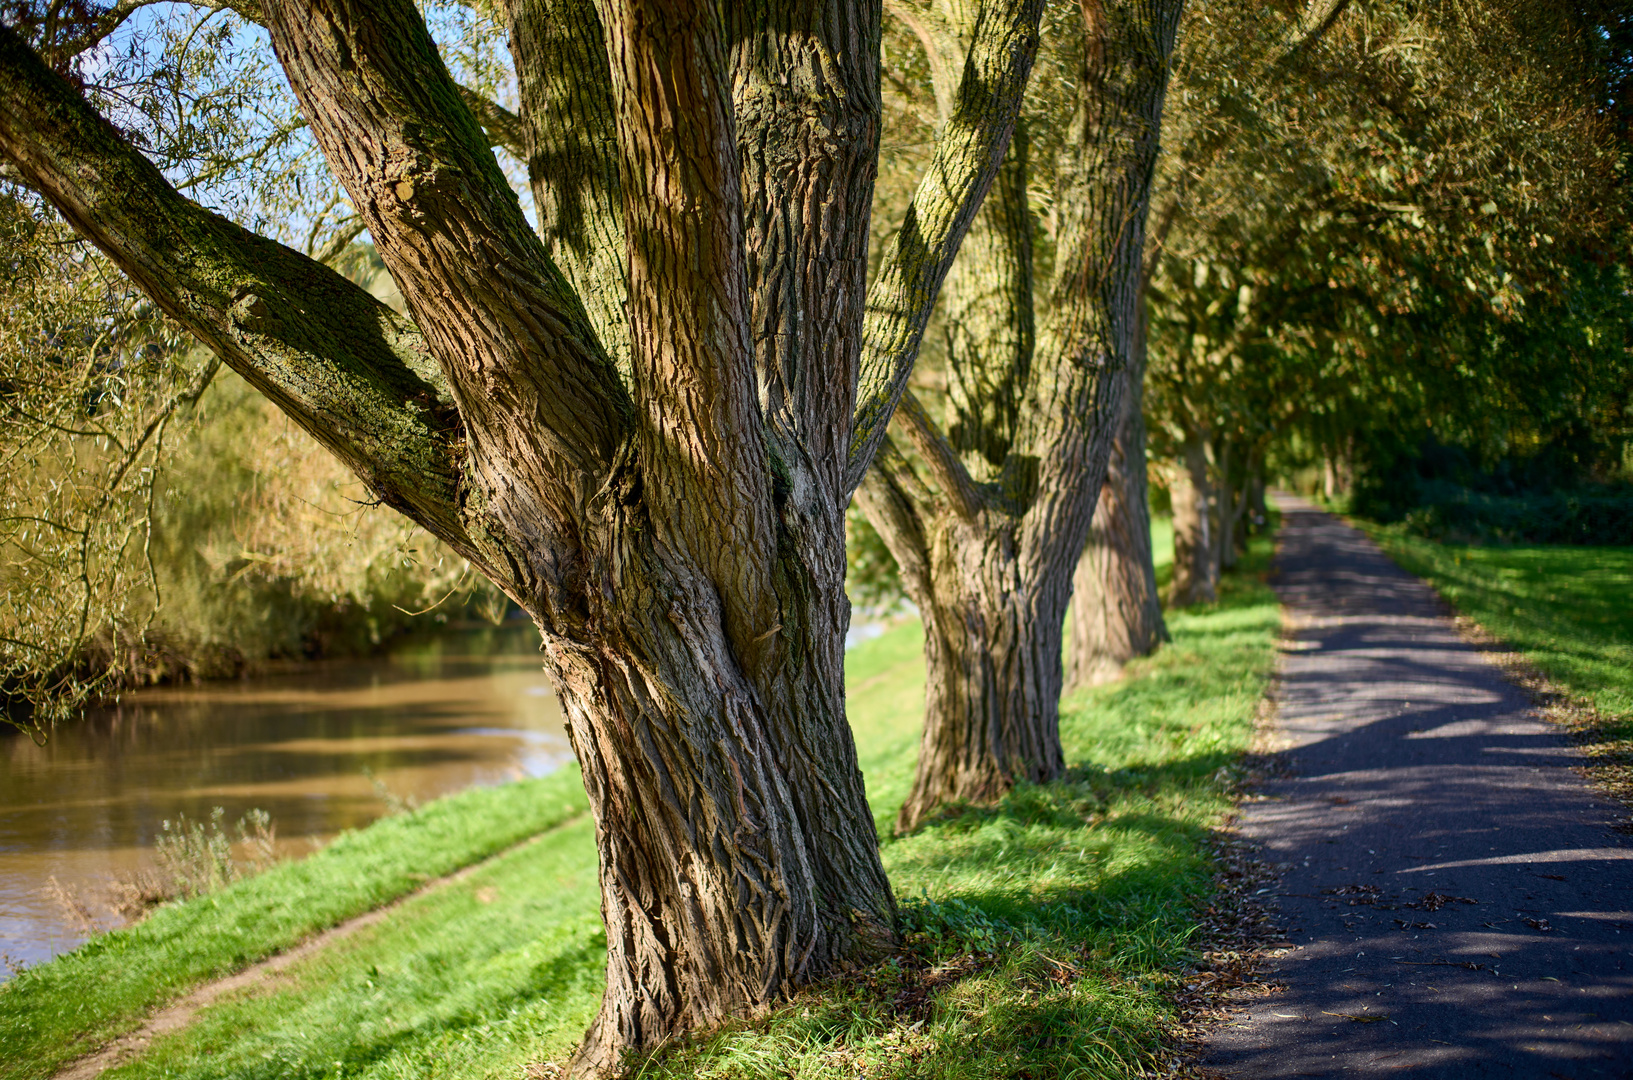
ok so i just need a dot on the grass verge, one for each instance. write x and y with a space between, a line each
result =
1565 616
1045 936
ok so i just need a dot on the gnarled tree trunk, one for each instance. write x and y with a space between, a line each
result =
737 858
988 537
992 674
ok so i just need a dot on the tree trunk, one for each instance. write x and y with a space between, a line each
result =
1257 507
738 855
992 612
1224 507
1235 501
993 675
987 544
1116 610
1196 563
1330 486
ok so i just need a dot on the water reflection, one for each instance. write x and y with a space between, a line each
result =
87 806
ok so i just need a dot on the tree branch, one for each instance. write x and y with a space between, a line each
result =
1317 19
543 407
707 476
505 129
1102 198
895 500
341 364
949 472
805 74
337 244
969 149
572 156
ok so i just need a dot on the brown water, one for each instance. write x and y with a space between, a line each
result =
86 808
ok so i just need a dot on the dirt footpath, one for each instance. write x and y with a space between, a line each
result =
1459 903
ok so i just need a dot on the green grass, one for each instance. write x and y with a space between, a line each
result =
1042 933
1569 610
54 1012
475 979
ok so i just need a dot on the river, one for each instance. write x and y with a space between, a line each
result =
302 744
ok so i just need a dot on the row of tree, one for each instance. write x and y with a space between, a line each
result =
644 418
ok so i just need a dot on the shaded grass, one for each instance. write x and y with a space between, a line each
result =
54 1012
1042 935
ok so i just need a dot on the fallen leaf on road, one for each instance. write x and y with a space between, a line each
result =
1433 901
1538 924
1358 1019
1360 894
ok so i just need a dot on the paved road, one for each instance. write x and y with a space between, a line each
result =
1452 882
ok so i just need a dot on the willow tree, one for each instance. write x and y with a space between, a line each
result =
987 512
643 421
1344 213
1116 609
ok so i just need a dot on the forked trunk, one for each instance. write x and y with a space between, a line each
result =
988 525
1196 560
1116 611
644 426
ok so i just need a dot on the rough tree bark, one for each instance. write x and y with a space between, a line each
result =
643 421
1116 610
1196 556
987 537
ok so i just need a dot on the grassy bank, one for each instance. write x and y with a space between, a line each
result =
1568 611
1043 933
54 1012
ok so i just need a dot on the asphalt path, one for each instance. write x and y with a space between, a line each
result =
1458 902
